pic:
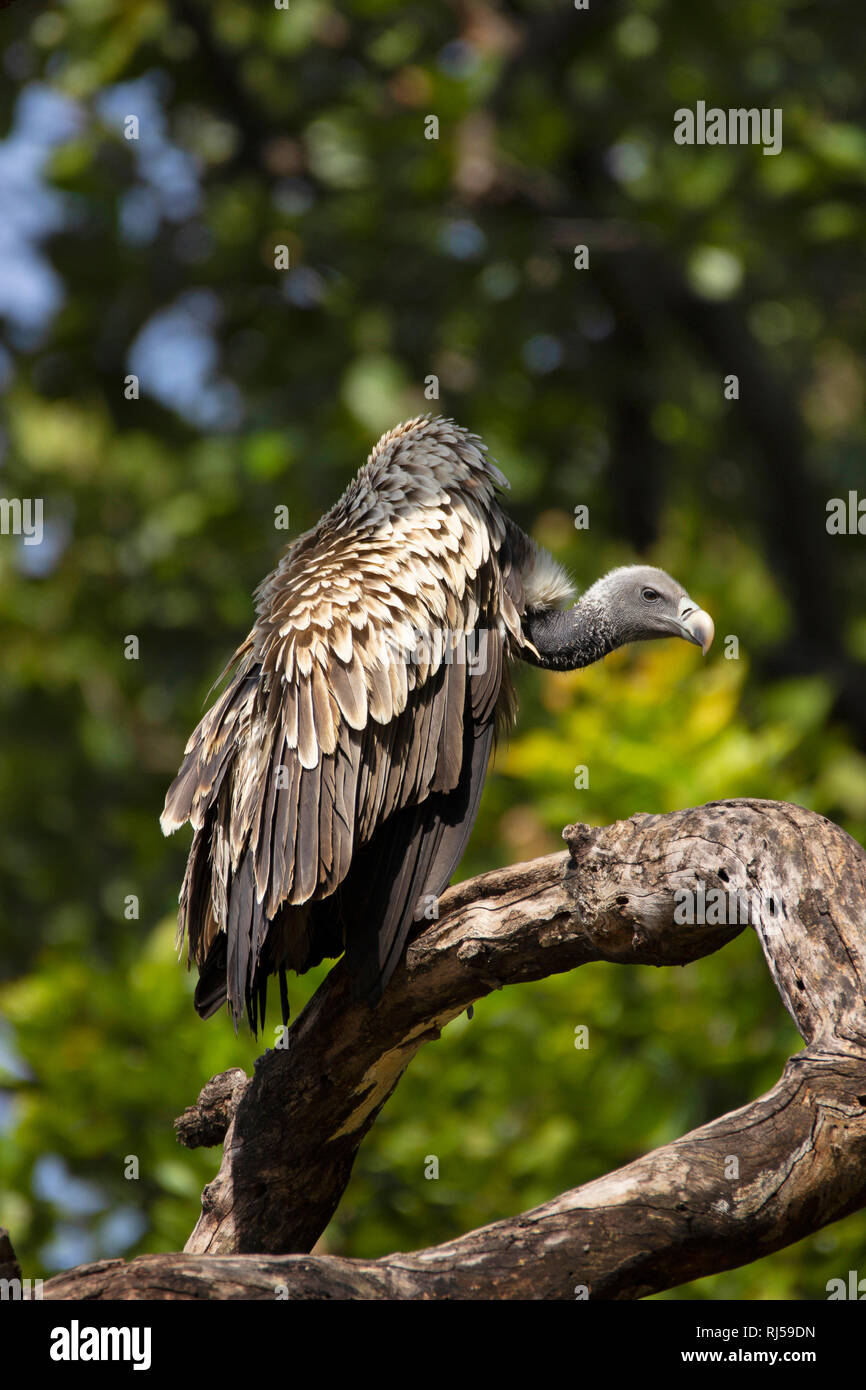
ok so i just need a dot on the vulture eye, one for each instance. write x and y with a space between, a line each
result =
649 594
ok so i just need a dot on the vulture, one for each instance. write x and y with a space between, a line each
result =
334 783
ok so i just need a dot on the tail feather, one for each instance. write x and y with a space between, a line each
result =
211 991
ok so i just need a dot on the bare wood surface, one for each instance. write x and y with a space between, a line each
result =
9 1266
673 1215
667 1218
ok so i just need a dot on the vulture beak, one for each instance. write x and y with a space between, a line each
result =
696 625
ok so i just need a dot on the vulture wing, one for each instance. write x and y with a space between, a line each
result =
335 781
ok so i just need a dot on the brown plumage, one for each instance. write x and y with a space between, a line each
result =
334 783
336 780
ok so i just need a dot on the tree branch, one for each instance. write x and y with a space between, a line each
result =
749 1183
667 1218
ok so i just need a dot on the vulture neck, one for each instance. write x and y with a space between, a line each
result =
566 639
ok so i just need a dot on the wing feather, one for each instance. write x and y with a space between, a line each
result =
338 775
307 844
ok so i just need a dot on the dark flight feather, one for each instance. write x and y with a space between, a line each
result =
336 780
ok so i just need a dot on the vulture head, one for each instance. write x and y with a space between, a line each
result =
635 603
333 784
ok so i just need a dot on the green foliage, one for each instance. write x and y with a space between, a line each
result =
412 257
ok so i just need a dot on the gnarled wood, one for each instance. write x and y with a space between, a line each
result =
9 1266
667 1218
673 1215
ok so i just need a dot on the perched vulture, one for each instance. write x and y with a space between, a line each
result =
334 783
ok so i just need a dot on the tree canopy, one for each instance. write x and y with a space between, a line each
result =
168 389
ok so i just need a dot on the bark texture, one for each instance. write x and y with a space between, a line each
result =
749 1183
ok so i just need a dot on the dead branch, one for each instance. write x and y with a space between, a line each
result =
745 1185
